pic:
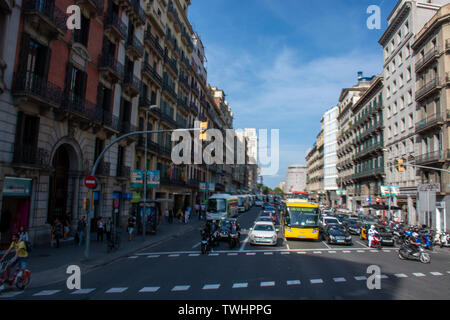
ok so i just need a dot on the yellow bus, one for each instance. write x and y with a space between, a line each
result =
301 220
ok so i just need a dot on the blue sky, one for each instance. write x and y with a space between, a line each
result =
283 63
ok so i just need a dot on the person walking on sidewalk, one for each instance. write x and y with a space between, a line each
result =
57 232
100 229
180 215
108 229
81 229
131 224
187 214
197 210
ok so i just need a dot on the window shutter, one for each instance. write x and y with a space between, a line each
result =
68 81
19 127
100 95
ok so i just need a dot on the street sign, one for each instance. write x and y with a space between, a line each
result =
368 200
429 187
90 182
115 203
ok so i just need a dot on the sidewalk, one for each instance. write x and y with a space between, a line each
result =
48 265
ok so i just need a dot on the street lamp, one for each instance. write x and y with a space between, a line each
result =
144 215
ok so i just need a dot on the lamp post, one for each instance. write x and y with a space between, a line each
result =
144 215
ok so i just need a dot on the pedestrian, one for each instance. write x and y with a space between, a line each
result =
166 215
23 235
131 224
57 232
100 229
66 229
179 215
203 208
81 228
186 215
108 229
197 210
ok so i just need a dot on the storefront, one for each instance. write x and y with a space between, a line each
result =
15 208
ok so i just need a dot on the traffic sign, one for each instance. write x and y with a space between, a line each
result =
115 203
90 182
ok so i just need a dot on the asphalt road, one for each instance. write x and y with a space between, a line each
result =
292 270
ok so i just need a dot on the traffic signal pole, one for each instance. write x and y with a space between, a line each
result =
96 164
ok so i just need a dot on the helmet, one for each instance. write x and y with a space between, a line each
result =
415 234
372 227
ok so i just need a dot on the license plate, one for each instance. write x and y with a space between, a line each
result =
302 237
340 241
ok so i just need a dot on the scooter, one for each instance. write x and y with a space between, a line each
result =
205 244
233 240
405 253
443 239
376 241
427 243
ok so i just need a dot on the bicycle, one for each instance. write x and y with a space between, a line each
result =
21 279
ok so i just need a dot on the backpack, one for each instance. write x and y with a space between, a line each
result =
28 246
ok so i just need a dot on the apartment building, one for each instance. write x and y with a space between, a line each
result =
368 142
345 141
330 131
432 124
315 172
404 22
296 178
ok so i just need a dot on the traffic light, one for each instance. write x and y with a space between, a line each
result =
401 167
204 127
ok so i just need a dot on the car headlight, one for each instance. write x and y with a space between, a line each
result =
274 237
349 238
332 237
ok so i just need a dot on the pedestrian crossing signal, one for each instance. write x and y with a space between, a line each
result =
204 127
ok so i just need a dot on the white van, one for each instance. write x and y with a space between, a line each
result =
221 206
241 203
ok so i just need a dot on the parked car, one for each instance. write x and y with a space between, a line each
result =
337 234
263 233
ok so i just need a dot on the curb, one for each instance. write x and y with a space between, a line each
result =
90 267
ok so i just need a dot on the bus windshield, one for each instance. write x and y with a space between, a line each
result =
217 205
299 217
299 196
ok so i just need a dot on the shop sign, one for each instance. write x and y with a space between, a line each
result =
137 179
136 197
211 187
16 187
202 186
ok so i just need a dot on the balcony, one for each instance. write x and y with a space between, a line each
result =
44 17
172 63
36 89
170 91
186 38
183 104
134 48
131 85
373 172
427 89
369 150
172 14
196 90
429 122
30 155
165 150
194 108
114 27
93 7
111 122
431 157
168 120
184 81
110 68
123 172
103 169
151 146
186 63
139 13
153 43
151 74
426 59
82 111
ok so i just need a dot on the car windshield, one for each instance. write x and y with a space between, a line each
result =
337 228
217 205
263 227
302 217
331 221
352 223
265 219
225 224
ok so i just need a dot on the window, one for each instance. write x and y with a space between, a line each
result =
82 35
410 120
34 62
403 125
104 97
408 74
76 81
27 132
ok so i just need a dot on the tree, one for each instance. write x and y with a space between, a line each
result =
278 191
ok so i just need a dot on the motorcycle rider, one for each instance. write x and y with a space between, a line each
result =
372 232
414 243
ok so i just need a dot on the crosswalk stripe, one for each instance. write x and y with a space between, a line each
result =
285 253
149 289
157 256
173 255
240 285
436 273
386 250
211 286
213 254
346 251
293 282
267 284
180 288
268 253
132 257
301 252
360 278
374 251
194 255
339 279
316 281
11 294
46 293
116 290
232 254
401 275
418 274
83 291
250 253
331 251
317 252
360 251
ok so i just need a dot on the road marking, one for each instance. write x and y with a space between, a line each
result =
418 274
293 282
301 252
149 289
157 256
267 284
244 243
287 246
213 254
436 273
194 254
232 254
362 244
316 281
385 250
250 253
173 255
180 288
46 293
196 245
383 276
360 278
116 290
318 252
268 253
339 279
133 257
83 291
285 253
11 294
401 275
331 251
346 251
326 244
211 286
240 285
375 251
360 251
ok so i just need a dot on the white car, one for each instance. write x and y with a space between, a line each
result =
259 203
264 233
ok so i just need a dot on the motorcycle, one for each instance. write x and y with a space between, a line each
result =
405 253
233 240
21 279
215 237
427 243
205 243
444 240
376 241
